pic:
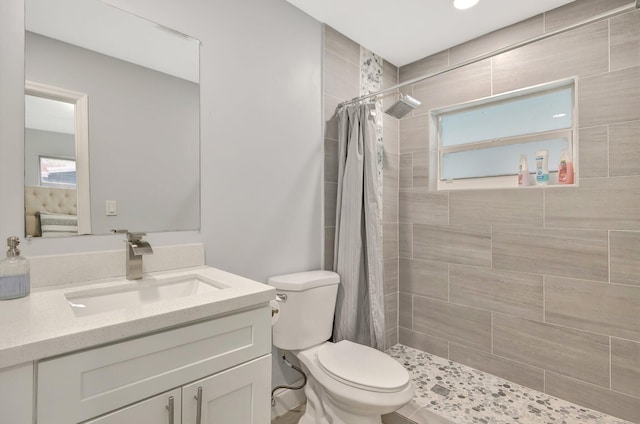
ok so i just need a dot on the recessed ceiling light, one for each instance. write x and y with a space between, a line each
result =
464 4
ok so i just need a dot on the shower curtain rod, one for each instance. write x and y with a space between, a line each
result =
611 13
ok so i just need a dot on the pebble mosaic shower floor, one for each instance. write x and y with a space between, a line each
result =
448 392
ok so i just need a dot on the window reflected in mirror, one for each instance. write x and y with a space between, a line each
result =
57 172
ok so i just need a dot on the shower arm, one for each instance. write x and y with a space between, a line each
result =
374 96
620 10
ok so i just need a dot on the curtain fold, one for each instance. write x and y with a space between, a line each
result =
358 239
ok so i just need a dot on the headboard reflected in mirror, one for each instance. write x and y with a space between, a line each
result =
50 211
141 81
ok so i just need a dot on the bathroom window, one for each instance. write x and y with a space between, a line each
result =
57 172
480 143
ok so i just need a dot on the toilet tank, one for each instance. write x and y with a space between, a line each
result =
306 316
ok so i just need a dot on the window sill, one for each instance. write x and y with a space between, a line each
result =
497 183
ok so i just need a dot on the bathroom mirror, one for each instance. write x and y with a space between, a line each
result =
139 167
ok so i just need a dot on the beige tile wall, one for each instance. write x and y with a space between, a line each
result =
341 82
391 176
539 286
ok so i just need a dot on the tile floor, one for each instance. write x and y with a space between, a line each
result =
465 395
290 417
454 393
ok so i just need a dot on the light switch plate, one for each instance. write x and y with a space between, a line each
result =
112 208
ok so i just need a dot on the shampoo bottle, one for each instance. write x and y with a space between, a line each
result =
523 171
14 272
542 167
565 168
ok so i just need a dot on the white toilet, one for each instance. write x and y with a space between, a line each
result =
348 383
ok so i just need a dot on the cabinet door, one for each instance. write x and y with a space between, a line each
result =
87 384
16 394
240 395
151 411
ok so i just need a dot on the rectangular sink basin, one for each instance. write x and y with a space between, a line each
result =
140 292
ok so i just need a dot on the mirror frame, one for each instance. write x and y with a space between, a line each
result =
81 102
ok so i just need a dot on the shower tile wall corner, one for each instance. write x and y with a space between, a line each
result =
541 287
342 81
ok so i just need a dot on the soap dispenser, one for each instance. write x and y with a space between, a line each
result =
523 171
14 272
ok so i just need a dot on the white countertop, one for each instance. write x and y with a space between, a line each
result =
43 324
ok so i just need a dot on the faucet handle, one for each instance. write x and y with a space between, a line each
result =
131 236
135 236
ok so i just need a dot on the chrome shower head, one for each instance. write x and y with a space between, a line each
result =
403 106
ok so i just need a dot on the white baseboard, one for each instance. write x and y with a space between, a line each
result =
287 399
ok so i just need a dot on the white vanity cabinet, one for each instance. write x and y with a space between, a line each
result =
16 394
227 358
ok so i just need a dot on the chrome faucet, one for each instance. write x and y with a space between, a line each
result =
136 248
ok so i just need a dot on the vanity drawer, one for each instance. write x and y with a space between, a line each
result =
79 386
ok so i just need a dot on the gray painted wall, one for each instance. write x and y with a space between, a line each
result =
262 150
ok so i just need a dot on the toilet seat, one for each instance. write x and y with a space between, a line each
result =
362 367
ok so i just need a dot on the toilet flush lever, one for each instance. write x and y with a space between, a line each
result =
281 297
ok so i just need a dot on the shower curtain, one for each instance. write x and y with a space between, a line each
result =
358 240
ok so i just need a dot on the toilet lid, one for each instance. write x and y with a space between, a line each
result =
362 367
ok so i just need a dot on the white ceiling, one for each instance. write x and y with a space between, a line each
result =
403 31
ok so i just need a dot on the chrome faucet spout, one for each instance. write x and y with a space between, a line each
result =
136 248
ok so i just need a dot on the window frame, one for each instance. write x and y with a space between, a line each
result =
501 181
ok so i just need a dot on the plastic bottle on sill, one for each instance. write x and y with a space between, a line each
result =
565 168
523 171
542 167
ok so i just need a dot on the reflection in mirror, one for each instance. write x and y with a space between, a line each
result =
56 163
141 85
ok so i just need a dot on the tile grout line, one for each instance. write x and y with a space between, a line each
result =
544 299
449 282
609 255
411 312
608 152
609 44
492 352
412 238
412 185
610 377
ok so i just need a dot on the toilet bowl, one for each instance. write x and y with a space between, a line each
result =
352 384
347 383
